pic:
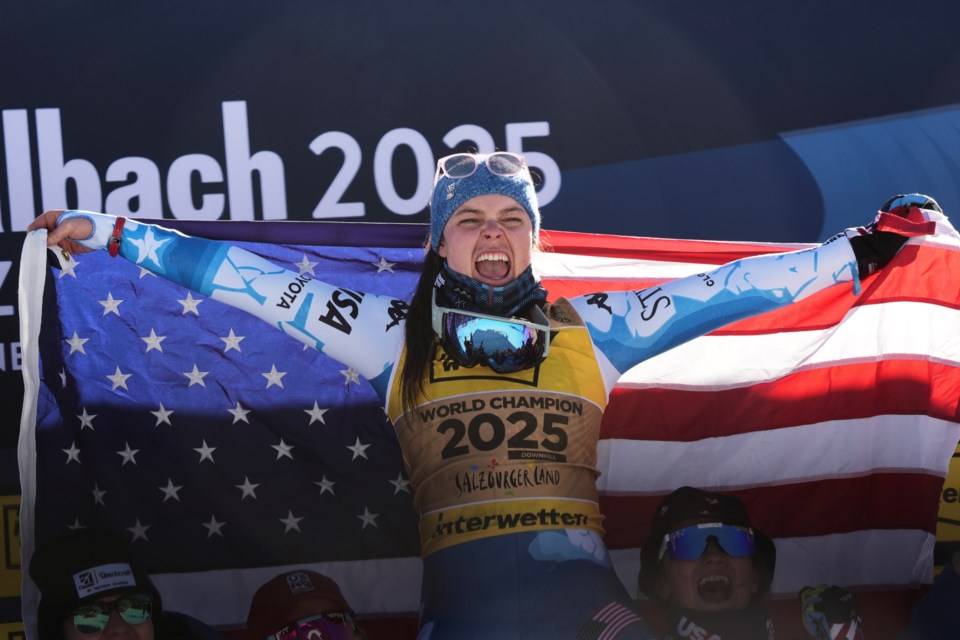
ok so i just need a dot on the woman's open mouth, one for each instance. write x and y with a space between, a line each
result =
715 589
493 267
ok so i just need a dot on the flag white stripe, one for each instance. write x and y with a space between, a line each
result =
392 586
867 558
741 360
222 598
30 295
833 449
565 266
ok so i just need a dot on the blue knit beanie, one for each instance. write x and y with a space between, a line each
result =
450 193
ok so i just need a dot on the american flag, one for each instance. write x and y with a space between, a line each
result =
228 452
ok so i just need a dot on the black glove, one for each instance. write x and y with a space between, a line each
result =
874 248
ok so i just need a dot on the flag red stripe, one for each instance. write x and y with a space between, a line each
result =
664 249
843 392
877 501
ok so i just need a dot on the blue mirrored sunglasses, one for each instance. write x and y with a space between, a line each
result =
506 345
689 543
92 617
462 165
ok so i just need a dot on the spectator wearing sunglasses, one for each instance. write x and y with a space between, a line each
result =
90 588
496 394
301 605
708 567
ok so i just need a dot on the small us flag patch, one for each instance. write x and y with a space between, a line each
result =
608 622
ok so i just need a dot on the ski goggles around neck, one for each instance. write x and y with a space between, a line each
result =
689 543
462 165
92 617
324 626
506 345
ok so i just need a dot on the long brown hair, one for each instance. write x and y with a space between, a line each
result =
419 337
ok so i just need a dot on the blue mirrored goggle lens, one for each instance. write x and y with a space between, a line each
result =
93 616
503 346
690 542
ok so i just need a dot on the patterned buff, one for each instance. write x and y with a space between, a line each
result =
457 291
750 623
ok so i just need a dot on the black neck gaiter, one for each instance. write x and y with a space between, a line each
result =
457 291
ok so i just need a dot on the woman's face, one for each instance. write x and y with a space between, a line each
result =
713 582
488 238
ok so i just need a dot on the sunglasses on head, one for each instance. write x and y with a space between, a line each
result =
92 617
689 543
506 345
324 626
462 165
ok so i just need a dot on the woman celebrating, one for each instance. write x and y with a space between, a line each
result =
495 393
